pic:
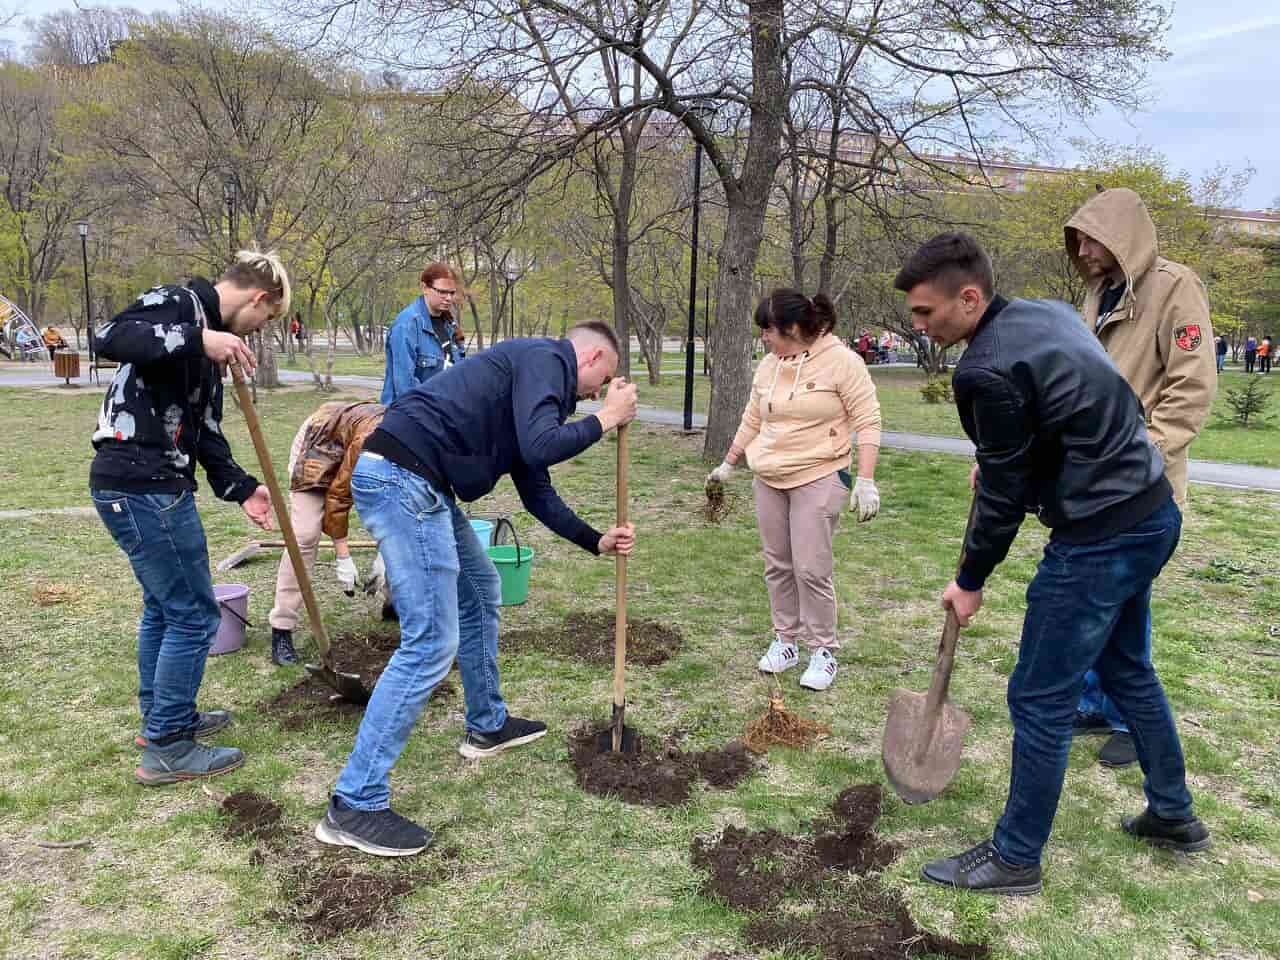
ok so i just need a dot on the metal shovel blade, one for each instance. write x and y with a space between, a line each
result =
921 753
346 685
619 738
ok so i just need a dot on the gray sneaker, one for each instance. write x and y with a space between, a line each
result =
207 723
185 760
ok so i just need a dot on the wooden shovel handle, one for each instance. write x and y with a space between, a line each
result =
620 585
941 679
282 512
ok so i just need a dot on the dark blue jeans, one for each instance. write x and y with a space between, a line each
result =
447 592
1089 605
162 536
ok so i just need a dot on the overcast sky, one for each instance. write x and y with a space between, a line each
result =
1211 102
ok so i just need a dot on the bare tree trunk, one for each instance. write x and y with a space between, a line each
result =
747 201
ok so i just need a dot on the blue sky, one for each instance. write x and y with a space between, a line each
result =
1213 100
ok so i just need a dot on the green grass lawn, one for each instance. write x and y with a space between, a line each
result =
904 411
545 871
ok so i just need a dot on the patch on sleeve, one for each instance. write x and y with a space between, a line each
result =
1188 337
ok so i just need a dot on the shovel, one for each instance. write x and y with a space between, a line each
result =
346 685
924 733
245 554
620 738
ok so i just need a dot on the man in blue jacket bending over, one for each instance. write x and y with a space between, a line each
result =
502 412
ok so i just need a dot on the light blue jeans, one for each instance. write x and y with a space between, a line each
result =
446 593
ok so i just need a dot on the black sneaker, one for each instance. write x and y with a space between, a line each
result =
1089 725
207 723
513 733
282 652
1184 836
1118 751
383 833
982 870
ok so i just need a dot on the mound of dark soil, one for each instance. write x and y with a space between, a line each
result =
753 870
589 637
249 814
800 889
662 778
864 922
329 898
309 700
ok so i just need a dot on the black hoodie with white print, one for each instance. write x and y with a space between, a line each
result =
163 411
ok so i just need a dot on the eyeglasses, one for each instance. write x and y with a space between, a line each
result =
443 293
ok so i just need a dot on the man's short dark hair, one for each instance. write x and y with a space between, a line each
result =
948 261
600 329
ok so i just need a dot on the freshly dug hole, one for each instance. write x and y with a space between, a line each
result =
330 898
660 778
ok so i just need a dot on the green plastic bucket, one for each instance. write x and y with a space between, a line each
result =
514 564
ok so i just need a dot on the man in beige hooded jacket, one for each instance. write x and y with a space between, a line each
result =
1152 316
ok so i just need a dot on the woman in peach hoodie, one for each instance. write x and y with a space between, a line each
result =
810 394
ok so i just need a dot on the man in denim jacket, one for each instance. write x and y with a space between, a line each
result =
424 335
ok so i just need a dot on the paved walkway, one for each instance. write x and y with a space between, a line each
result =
1237 475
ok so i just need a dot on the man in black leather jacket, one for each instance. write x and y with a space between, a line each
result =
1060 433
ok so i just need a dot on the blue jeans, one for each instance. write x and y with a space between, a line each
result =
446 592
1089 605
1222 361
162 536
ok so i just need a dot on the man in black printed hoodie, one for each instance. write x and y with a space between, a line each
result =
162 414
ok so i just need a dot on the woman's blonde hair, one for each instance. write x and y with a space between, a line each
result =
253 269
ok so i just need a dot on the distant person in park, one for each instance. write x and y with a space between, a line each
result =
504 412
161 415
324 452
1265 349
810 395
1250 353
425 336
1152 317
53 340
1058 432
1221 350
297 330
866 346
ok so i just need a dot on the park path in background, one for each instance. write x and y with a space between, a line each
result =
1238 475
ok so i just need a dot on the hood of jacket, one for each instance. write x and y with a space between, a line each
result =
1118 219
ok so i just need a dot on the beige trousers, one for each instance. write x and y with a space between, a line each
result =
306 511
796 528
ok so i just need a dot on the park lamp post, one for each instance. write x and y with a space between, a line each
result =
703 109
82 227
512 275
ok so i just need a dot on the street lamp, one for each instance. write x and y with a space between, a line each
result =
229 198
703 109
706 317
512 276
82 227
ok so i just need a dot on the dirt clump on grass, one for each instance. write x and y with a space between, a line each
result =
51 594
820 893
663 777
249 814
861 922
329 896
309 700
588 637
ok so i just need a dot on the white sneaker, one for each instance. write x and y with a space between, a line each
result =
821 671
779 657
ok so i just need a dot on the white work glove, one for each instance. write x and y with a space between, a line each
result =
865 499
347 575
720 475
377 577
